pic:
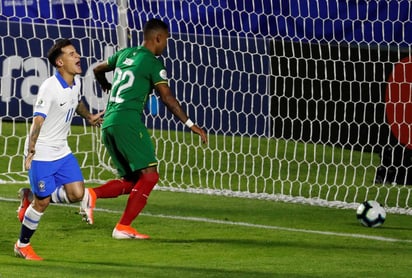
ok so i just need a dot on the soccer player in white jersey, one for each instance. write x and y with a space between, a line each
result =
54 172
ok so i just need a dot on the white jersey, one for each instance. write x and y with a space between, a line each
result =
57 103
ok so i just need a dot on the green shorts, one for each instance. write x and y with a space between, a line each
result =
130 148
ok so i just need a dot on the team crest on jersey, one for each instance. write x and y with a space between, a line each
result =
128 62
40 102
163 74
42 186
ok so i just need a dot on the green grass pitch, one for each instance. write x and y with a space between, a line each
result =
208 236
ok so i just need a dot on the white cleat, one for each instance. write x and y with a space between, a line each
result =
87 205
127 232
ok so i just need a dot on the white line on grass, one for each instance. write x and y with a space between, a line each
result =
244 224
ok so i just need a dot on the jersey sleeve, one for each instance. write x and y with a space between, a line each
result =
43 102
159 74
112 60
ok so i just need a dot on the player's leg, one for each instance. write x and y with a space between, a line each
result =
59 195
135 204
139 195
110 189
116 187
26 198
66 171
141 159
69 175
30 223
43 184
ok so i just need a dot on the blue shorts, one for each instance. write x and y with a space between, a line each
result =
46 176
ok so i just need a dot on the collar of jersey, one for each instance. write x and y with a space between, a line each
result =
62 81
141 47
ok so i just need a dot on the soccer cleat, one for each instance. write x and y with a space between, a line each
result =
26 253
26 197
127 232
87 206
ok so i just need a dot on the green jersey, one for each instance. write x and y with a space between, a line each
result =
136 73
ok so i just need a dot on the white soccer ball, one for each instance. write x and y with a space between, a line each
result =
371 214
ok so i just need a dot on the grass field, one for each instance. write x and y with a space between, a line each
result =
214 236
208 236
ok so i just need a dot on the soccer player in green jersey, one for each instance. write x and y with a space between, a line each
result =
137 72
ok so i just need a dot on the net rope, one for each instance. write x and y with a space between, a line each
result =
303 101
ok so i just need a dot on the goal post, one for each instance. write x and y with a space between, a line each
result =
303 101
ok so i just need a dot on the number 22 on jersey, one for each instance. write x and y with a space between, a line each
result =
122 79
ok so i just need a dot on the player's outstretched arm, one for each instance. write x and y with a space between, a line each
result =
174 106
93 119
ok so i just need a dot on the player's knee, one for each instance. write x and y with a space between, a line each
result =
75 192
148 182
126 185
151 178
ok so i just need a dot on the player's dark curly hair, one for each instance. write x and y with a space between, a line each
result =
56 50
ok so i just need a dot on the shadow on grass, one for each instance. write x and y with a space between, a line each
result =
67 268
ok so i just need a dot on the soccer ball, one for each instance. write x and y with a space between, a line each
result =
371 214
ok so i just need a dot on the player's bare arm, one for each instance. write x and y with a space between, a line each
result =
93 119
100 75
174 106
34 134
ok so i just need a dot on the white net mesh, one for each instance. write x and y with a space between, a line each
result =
303 101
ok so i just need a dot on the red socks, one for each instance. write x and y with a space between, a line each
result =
114 188
139 192
138 197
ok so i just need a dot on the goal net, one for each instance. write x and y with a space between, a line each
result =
303 101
